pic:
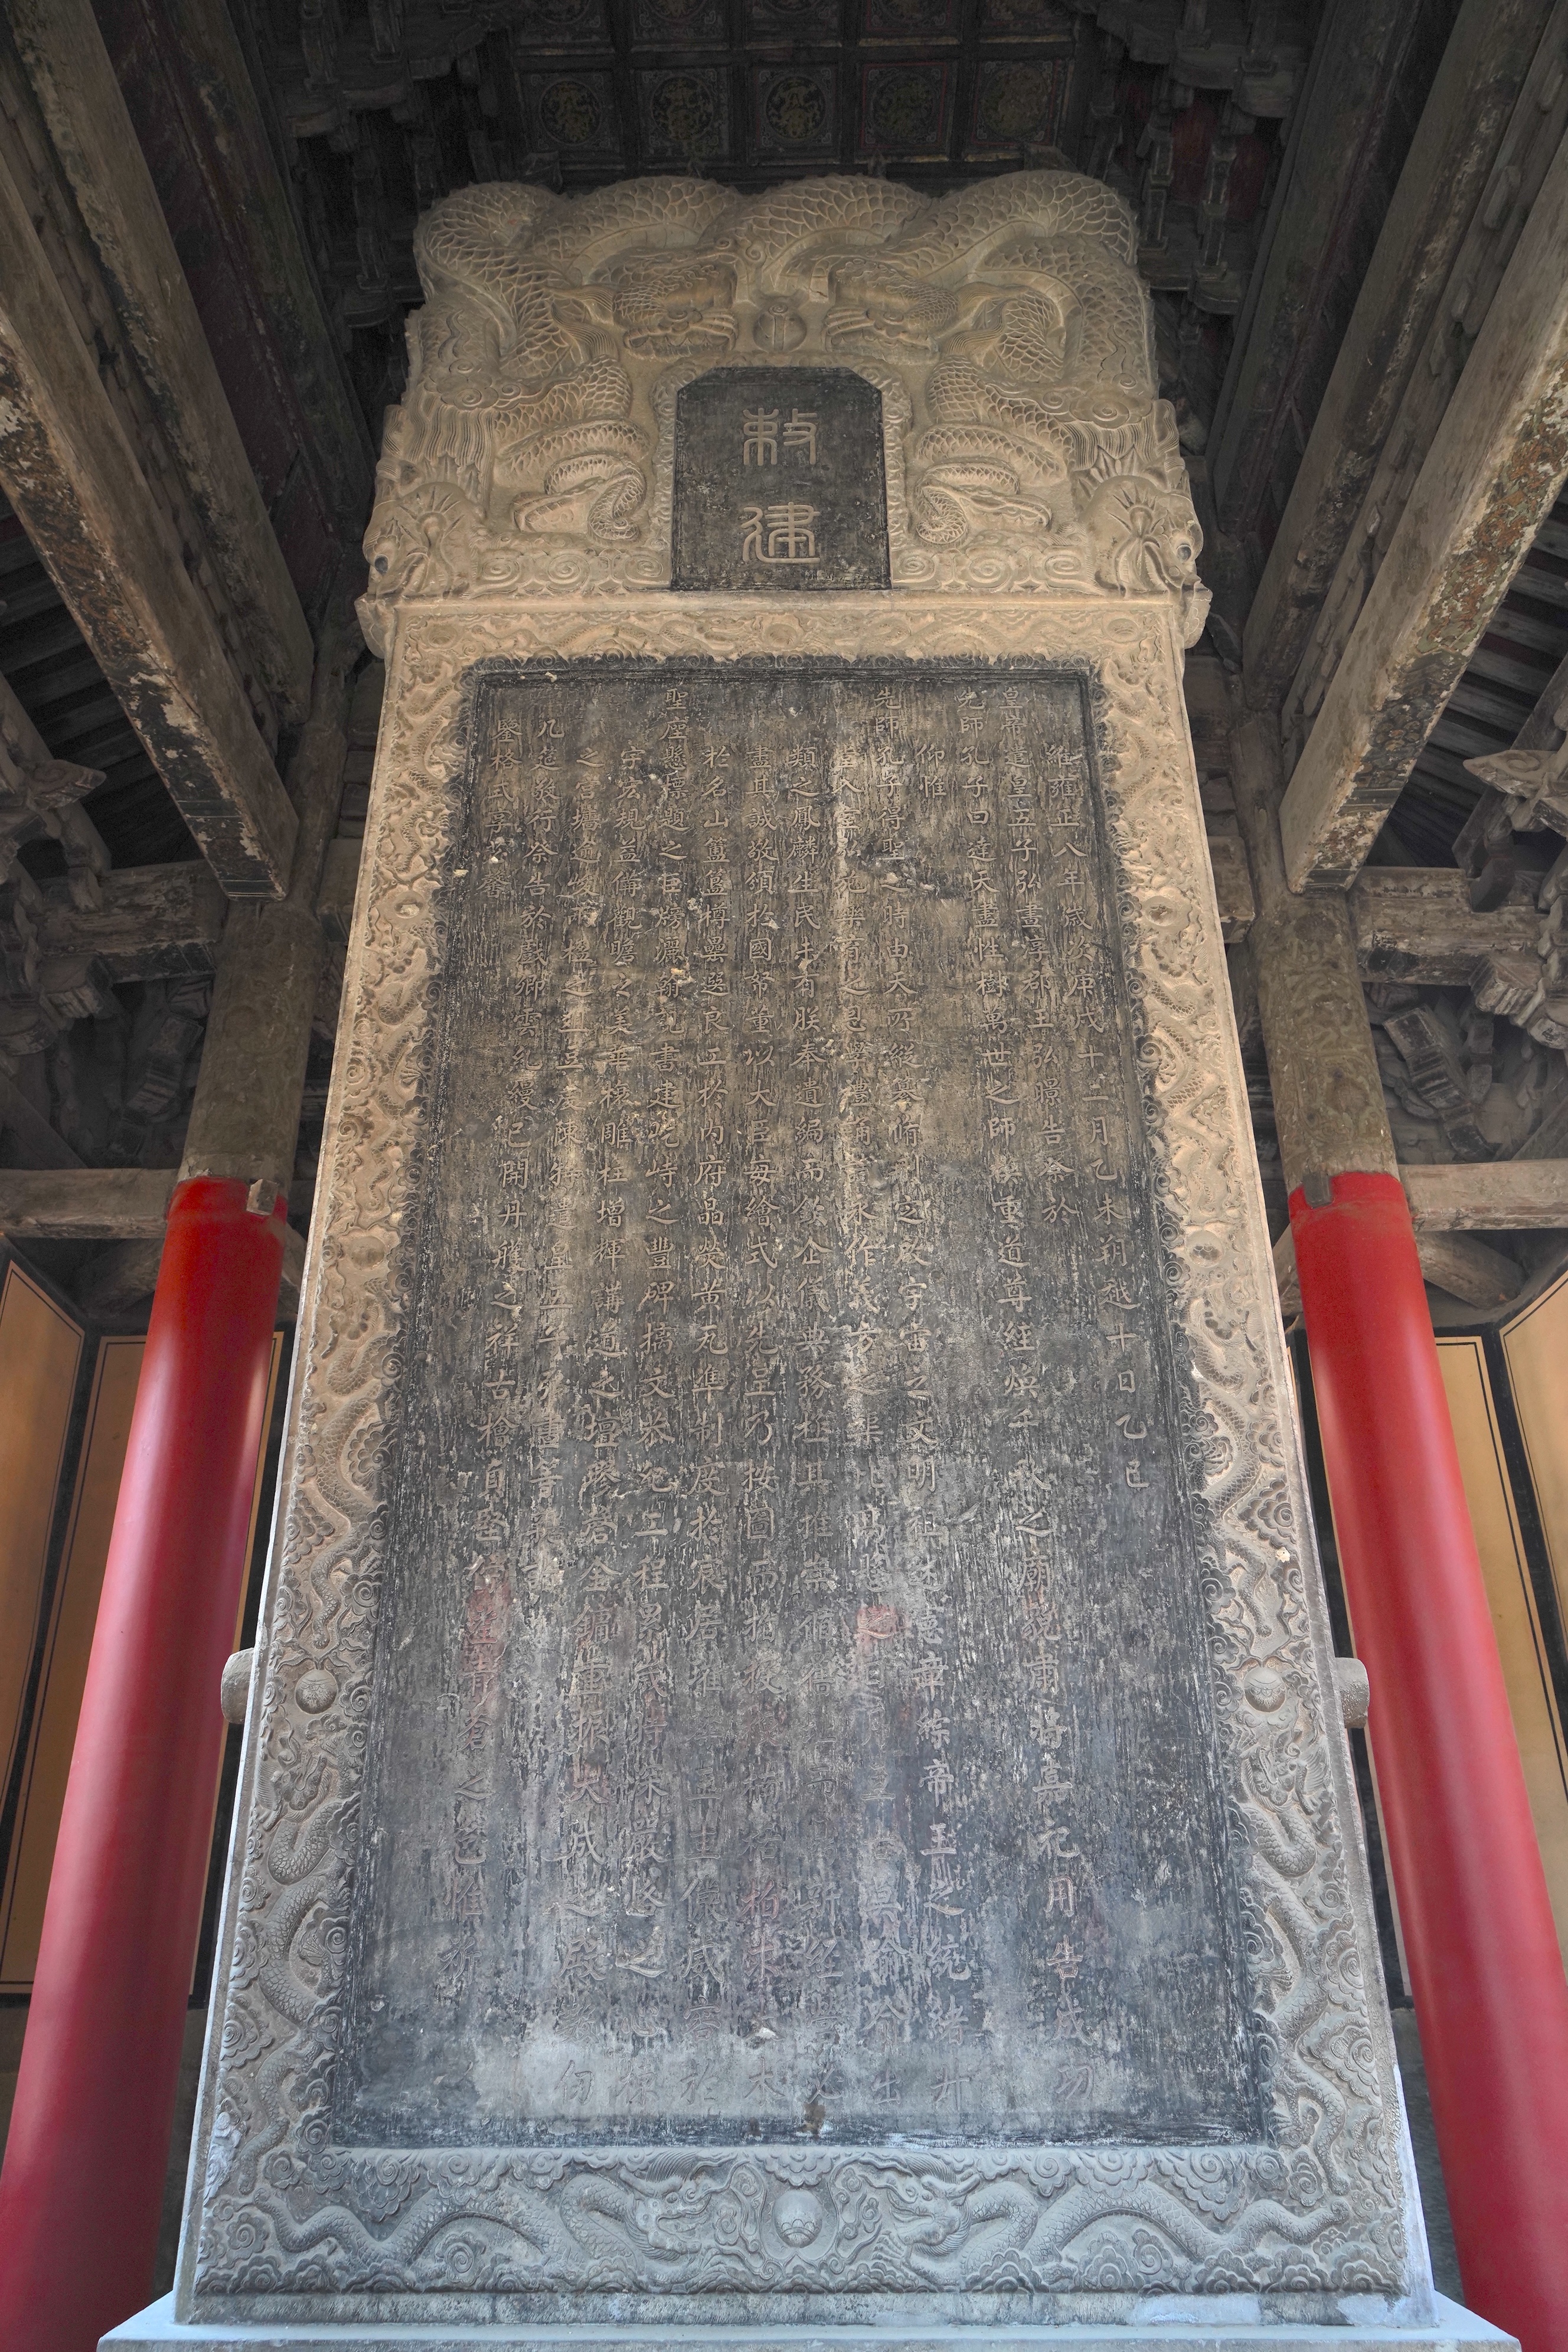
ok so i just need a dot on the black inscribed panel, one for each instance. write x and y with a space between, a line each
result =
792 1713
780 481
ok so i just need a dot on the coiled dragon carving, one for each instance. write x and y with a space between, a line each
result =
528 444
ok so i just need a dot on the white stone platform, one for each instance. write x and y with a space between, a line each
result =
1450 2330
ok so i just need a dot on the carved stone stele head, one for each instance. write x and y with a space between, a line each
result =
1006 328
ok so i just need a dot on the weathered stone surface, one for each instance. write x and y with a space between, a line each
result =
677 1658
1449 2330
791 1368
779 482
1265 1661
1005 329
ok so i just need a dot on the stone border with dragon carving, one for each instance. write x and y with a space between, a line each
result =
1320 2220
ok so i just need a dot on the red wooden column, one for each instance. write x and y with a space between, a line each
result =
1480 1937
1486 1974
82 2186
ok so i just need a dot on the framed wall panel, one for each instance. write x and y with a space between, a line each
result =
1535 1348
69 1643
40 1355
1521 1644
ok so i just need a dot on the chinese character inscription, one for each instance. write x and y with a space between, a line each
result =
779 480
792 1713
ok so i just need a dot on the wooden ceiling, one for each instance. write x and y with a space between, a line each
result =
385 106
375 108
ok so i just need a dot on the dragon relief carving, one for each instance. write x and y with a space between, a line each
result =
1026 446
291 2221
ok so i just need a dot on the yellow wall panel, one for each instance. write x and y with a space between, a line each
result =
1507 1571
1535 1348
40 1352
69 1645
65 1661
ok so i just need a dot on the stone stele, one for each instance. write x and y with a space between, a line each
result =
792 1788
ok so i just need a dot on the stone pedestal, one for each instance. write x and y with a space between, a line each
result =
1449 2329
792 1786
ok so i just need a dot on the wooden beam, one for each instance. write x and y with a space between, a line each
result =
84 1204
29 1141
1547 724
69 470
1487 1196
1329 1109
1550 1139
1468 1269
1416 923
155 922
1451 1261
121 1280
1336 118
68 65
194 82
1463 126
1497 462
1232 886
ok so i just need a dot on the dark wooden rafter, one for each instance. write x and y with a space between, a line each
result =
84 471
1489 479
1486 135
224 169
91 129
1347 138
